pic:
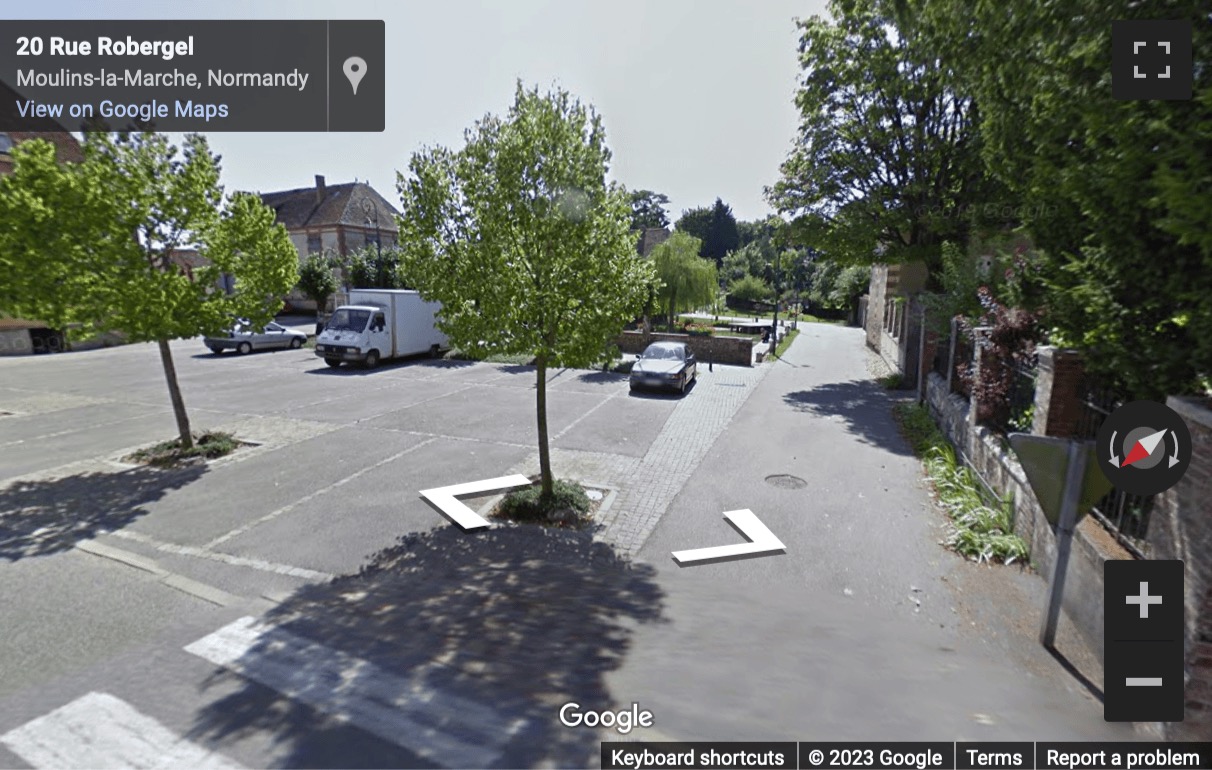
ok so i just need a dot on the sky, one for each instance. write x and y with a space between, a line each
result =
696 95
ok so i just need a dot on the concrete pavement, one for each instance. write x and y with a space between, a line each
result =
866 628
393 638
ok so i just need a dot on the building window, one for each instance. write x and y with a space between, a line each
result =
6 142
314 245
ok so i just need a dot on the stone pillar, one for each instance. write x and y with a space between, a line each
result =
1058 392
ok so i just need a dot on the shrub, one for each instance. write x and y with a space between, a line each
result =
207 446
750 289
567 507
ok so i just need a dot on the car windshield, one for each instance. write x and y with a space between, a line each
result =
667 353
346 320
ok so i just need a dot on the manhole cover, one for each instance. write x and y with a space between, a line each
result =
786 481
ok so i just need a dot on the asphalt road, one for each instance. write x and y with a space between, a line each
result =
298 604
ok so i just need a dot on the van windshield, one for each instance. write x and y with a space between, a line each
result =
345 320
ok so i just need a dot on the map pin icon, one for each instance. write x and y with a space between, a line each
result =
355 70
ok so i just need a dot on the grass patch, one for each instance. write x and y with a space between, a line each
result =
170 454
568 508
811 319
521 359
918 428
981 529
893 381
786 343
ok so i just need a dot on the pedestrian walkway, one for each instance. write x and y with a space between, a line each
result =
647 485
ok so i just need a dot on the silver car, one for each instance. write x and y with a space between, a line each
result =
665 365
242 338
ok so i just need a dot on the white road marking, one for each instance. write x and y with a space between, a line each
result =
404 710
101 731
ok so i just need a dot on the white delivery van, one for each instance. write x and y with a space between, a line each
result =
378 324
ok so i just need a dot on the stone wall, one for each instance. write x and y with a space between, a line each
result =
984 451
1180 527
874 320
737 351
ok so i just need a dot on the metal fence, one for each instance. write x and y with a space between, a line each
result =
1018 413
1126 516
965 352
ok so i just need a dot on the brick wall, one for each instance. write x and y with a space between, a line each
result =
1060 374
737 351
1180 527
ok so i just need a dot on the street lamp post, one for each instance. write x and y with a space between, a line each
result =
774 327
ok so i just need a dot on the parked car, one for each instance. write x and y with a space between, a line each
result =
242 338
665 365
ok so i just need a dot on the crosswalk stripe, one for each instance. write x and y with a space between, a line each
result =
101 731
404 710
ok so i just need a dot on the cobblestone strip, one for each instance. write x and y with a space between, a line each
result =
648 485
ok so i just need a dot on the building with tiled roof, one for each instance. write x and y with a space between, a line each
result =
340 218
649 238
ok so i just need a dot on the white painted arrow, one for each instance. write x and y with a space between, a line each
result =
444 498
762 541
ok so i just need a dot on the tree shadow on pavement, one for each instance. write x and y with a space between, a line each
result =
38 518
864 405
462 631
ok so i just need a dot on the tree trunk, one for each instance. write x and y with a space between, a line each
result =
548 488
174 393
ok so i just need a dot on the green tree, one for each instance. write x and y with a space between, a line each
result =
373 268
317 280
750 288
648 209
888 157
1113 192
722 236
695 223
524 243
41 238
754 258
836 286
687 280
759 230
136 199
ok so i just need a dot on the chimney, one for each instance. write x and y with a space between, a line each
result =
320 189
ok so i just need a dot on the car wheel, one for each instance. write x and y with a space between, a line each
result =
295 343
682 385
333 362
372 359
217 350
244 348
435 351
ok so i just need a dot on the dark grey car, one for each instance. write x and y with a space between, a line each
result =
665 365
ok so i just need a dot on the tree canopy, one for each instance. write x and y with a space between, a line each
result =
522 240
688 281
722 235
1113 192
120 219
648 209
888 156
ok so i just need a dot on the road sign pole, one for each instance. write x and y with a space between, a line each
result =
1065 526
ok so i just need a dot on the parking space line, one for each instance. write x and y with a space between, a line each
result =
240 530
225 558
